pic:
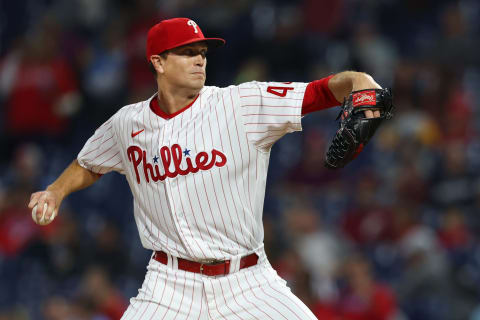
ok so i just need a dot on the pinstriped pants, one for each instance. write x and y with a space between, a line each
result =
252 293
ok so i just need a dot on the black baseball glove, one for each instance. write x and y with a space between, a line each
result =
355 129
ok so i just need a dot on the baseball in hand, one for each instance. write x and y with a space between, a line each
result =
43 221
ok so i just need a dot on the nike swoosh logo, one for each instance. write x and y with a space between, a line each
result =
136 133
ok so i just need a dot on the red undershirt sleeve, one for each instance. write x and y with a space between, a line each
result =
318 96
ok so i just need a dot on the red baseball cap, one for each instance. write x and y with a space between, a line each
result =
176 32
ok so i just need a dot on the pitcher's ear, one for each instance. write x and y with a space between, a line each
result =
157 63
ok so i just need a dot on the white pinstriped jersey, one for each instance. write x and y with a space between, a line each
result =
198 179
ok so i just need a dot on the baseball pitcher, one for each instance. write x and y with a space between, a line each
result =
196 159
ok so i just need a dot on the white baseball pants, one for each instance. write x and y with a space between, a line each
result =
252 293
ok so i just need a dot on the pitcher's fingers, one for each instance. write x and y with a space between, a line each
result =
33 199
376 114
51 206
40 208
368 113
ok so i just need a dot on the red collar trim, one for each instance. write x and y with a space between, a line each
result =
155 107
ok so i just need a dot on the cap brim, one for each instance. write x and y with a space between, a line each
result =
211 42
215 42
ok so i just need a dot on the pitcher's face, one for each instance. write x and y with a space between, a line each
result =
185 66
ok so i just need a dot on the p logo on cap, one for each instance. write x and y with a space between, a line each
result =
193 24
176 32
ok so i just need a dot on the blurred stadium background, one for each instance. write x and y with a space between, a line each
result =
393 236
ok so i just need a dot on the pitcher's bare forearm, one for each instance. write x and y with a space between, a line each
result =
343 83
73 178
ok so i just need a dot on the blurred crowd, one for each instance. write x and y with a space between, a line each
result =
393 236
